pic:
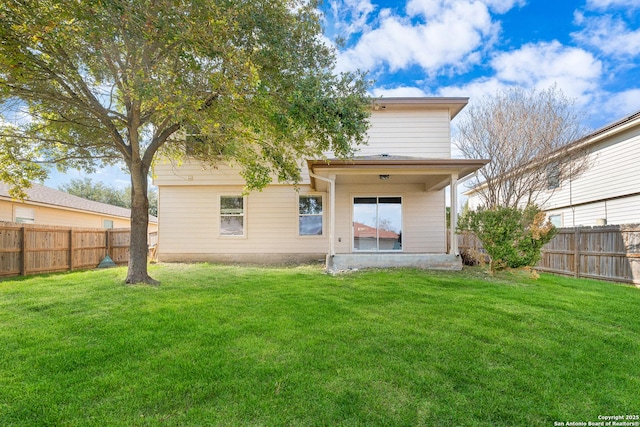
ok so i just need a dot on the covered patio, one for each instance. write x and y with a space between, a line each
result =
375 184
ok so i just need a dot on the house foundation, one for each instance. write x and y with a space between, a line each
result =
344 262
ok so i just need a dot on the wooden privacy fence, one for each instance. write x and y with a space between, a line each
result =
31 249
606 253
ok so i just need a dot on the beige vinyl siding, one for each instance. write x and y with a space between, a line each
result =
193 172
190 223
413 133
59 216
424 133
423 223
404 132
6 211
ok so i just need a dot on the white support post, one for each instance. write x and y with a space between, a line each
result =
331 180
332 214
454 213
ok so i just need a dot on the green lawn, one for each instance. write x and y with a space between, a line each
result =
216 345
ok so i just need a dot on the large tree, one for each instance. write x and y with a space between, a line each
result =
102 81
527 135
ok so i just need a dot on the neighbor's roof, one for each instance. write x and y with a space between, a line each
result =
39 194
608 130
366 231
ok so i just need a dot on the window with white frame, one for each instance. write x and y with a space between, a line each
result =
107 223
556 220
232 215
310 215
25 215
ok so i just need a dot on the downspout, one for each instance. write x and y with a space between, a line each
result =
332 209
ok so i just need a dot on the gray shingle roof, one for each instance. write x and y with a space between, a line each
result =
48 196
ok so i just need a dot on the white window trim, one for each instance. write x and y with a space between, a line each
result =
310 236
561 218
244 217
24 215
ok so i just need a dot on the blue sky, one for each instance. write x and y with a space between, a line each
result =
589 48
472 48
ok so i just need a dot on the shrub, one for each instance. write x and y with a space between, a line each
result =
512 237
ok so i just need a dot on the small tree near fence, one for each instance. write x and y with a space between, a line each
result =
512 237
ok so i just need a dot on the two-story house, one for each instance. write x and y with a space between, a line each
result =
385 207
607 192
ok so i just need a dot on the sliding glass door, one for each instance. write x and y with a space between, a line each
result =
377 224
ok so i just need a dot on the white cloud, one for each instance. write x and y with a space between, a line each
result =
476 89
622 104
503 6
433 35
607 4
608 34
400 91
575 71
351 16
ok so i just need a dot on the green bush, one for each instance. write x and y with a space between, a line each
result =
512 237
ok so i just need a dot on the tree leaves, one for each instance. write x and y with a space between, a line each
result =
123 79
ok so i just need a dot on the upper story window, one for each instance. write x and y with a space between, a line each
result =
310 215
232 215
553 177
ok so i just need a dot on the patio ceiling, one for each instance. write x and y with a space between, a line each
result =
434 174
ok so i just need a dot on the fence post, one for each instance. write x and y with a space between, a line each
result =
23 255
576 260
107 236
71 249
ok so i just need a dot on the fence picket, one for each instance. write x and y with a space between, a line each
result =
32 248
606 253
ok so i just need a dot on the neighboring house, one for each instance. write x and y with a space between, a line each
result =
46 206
385 207
608 192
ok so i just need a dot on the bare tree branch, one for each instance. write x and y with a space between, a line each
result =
526 135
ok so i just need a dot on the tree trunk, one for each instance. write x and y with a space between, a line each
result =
138 248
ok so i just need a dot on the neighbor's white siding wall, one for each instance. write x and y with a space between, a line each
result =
607 190
423 216
614 172
617 211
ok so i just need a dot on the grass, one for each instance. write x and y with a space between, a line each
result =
219 345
